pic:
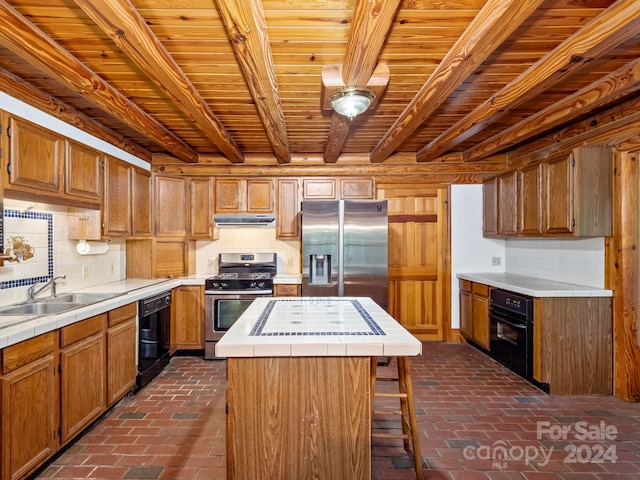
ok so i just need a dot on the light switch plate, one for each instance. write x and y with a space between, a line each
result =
496 261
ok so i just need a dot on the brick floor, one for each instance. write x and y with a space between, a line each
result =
476 421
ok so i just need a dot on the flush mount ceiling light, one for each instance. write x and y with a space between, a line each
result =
351 102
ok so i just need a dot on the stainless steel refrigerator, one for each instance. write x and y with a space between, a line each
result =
344 249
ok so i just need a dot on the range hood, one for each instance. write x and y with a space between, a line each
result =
245 220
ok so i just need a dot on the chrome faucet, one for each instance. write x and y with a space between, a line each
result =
32 291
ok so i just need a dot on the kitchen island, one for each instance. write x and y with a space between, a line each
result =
298 393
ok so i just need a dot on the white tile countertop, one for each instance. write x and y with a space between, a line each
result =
534 287
288 279
17 328
316 326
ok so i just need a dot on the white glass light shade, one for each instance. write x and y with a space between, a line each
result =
351 102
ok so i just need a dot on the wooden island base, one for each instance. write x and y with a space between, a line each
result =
298 418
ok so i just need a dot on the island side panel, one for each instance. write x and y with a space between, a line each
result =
298 417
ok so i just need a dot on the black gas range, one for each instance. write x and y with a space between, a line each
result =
243 272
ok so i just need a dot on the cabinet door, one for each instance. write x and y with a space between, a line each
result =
170 206
83 224
200 208
355 188
490 208
141 203
559 196
83 381
121 360
36 157
29 417
508 204
531 200
83 171
116 204
466 309
481 314
286 290
288 209
259 196
231 195
189 317
319 189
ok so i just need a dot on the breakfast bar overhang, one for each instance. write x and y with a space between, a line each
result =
298 393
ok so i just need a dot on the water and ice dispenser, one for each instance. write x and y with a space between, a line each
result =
320 269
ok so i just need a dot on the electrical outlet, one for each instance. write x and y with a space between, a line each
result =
289 262
496 261
112 267
85 271
210 262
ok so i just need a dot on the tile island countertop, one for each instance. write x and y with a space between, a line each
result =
316 326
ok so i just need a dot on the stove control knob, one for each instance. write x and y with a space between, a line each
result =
252 285
215 285
224 285
261 285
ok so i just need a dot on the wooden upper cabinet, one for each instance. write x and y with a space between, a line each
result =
244 195
170 206
201 208
287 215
579 193
508 204
36 157
319 189
83 224
83 171
116 203
141 203
490 208
357 188
531 199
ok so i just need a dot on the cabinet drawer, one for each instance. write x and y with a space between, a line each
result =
83 329
286 290
464 285
25 352
120 314
481 289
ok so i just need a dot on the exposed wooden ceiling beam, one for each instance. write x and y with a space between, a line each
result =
609 127
125 26
493 24
247 29
33 45
612 27
18 88
371 23
608 89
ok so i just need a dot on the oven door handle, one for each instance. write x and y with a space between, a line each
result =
519 326
220 293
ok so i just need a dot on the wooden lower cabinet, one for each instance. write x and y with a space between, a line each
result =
188 312
474 312
30 400
121 352
572 348
82 375
286 290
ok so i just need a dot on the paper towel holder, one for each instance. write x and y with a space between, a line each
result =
92 248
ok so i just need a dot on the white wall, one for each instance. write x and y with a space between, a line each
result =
469 251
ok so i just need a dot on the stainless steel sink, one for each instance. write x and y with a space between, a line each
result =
83 298
40 308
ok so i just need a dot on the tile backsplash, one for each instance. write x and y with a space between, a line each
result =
53 254
244 240
571 260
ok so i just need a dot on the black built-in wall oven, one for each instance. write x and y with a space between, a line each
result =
511 332
242 278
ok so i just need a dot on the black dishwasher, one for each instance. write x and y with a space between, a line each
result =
154 319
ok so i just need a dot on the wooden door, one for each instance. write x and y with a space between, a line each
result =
116 215
490 208
200 208
170 207
481 314
287 217
531 200
141 204
559 196
466 309
260 195
356 188
508 204
29 404
83 383
189 317
231 195
83 172
121 359
319 189
418 258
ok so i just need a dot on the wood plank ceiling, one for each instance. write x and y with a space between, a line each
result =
242 81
